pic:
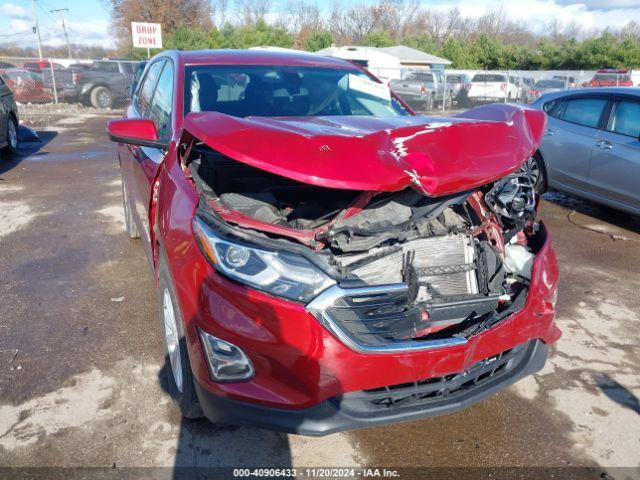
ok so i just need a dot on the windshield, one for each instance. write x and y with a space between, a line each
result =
550 84
279 91
487 77
611 77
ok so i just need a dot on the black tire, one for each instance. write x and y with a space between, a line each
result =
186 398
129 222
13 143
101 97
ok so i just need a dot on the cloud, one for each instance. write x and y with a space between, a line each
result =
12 10
94 32
602 4
17 25
539 13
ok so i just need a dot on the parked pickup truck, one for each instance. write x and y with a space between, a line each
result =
426 88
104 83
492 87
48 71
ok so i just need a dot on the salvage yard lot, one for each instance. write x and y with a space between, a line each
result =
81 353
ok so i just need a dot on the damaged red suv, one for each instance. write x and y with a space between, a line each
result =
325 258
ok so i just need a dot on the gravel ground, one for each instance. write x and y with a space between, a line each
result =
81 353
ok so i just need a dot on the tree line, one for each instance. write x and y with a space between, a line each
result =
491 41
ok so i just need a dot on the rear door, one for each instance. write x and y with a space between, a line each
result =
615 164
139 164
572 125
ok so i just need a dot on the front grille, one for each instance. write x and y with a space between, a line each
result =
434 391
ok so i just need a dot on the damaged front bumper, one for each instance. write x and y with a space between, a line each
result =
431 397
310 380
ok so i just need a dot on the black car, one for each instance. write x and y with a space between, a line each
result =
8 121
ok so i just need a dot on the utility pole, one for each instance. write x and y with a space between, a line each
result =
64 27
36 28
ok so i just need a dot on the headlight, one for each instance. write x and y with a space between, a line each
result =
513 198
280 273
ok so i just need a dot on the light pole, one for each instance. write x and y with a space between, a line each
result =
64 27
36 28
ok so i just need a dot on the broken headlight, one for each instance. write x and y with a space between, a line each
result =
279 273
513 199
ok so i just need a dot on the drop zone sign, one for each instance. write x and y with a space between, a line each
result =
146 35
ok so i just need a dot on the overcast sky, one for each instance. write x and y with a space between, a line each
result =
88 20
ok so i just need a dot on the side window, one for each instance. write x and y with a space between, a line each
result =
146 89
554 108
161 105
584 111
625 118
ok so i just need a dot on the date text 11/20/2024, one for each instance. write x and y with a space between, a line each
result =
316 472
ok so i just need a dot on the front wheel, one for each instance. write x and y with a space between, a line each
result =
534 169
179 382
12 136
101 97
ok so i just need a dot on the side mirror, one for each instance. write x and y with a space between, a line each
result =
135 131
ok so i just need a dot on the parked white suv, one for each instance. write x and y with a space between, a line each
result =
492 87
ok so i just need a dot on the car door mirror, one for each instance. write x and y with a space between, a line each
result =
135 131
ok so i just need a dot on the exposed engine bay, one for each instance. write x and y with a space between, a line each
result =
465 259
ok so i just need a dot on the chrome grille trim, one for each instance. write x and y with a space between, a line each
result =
319 306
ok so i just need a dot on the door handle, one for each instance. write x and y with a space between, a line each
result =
604 145
549 132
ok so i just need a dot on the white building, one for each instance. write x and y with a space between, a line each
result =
381 64
387 62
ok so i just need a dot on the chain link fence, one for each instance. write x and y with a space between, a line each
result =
101 84
42 86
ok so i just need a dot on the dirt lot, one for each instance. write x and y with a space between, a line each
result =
81 353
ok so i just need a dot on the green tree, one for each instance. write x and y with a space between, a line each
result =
184 38
318 40
378 38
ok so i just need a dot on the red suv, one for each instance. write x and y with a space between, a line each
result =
325 258
611 77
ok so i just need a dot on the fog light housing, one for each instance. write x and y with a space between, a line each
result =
226 362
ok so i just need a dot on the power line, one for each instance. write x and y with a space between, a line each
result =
64 27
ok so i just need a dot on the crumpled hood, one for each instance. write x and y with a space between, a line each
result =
437 155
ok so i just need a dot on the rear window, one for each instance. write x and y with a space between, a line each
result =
454 78
105 66
489 77
550 84
611 77
419 77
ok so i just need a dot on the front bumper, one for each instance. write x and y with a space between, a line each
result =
351 411
300 364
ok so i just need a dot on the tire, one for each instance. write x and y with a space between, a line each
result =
129 222
180 383
536 170
101 97
13 142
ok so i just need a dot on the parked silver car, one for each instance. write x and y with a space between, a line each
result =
591 147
